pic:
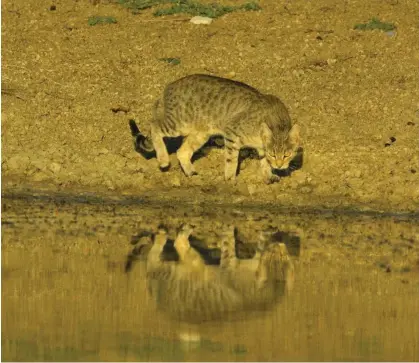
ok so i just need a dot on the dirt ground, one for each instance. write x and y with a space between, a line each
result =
350 90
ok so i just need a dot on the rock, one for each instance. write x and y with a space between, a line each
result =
357 173
109 184
39 164
252 188
300 176
18 162
102 151
175 181
353 173
306 189
201 20
39 176
54 167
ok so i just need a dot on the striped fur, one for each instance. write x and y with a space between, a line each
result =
199 106
191 291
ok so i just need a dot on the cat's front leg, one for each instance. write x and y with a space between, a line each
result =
190 145
160 239
268 176
182 245
161 150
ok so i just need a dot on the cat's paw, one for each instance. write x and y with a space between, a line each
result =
162 229
272 179
188 170
164 166
191 173
186 229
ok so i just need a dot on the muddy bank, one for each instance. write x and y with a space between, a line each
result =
75 86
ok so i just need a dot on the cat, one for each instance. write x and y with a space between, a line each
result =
191 291
199 106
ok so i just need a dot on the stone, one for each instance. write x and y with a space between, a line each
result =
300 176
175 181
201 20
17 162
102 151
108 183
39 176
54 167
306 190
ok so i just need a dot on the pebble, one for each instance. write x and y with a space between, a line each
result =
300 176
354 174
175 181
18 162
109 184
39 164
102 151
252 188
201 20
39 176
306 190
54 167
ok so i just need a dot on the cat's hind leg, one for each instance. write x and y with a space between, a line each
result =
228 248
232 150
191 143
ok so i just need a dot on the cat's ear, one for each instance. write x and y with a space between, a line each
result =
294 136
266 134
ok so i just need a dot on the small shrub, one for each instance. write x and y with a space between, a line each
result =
375 23
95 20
191 7
171 61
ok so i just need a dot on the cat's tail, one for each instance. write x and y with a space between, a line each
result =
141 142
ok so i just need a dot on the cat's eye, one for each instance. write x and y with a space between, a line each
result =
287 155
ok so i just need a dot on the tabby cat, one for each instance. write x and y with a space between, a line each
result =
199 106
191 291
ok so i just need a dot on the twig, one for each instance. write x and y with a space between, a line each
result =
319 31
11 92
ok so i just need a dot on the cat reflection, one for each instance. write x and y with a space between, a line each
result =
191 290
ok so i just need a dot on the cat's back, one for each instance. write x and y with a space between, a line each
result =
209 91
205 82
213 100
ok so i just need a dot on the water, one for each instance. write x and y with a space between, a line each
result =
75 285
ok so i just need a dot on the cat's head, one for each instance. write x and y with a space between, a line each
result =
276 266
280 147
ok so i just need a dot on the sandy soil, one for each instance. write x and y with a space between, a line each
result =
350 90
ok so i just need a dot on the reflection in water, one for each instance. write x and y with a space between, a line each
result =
191 289
216 292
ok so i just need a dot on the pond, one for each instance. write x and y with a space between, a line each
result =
89 281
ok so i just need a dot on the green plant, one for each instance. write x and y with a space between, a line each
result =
375 23
95 20
171 61
191 7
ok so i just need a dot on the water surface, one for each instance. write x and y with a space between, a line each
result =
75 287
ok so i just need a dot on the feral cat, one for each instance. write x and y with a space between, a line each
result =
199 106
191 291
